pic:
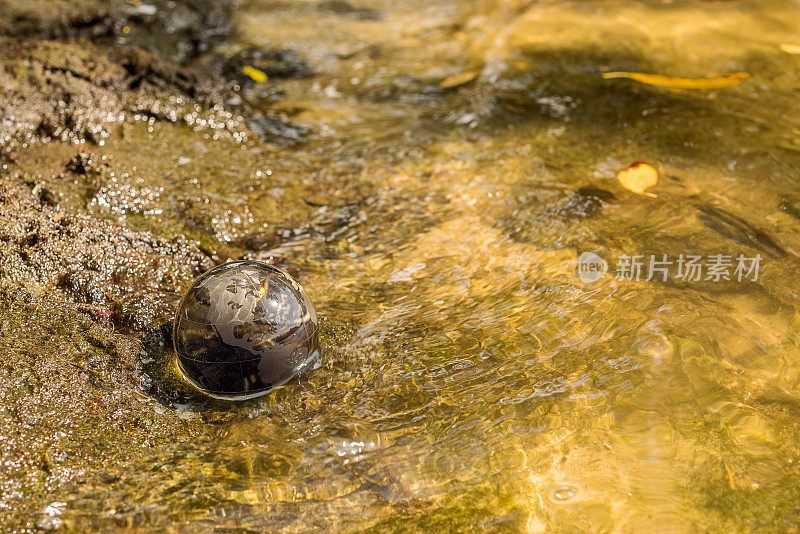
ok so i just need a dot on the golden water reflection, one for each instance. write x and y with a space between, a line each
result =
471 380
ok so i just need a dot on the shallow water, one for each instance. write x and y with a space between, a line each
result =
470 379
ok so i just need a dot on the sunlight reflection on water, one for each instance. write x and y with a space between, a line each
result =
471 380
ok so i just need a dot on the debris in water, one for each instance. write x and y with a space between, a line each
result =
459 79
681 83
638 177
258 76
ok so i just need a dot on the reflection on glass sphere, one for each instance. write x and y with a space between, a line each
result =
244 328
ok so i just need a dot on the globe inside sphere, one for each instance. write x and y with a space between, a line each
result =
244 328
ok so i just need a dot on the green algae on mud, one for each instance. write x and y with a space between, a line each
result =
70 396
69 406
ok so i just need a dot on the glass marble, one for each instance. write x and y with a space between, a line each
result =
244 328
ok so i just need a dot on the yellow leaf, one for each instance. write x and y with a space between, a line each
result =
256 75
790 48
458 79
681 83
638 177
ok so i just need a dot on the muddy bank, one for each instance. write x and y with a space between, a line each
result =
70 284
101 231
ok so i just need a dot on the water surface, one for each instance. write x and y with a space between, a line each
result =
470 379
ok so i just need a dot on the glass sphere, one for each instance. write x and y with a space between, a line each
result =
244 328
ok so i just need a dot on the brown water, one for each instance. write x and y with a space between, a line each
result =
470 380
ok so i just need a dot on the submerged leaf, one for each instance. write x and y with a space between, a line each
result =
638 177
681 83
256 75
459 79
